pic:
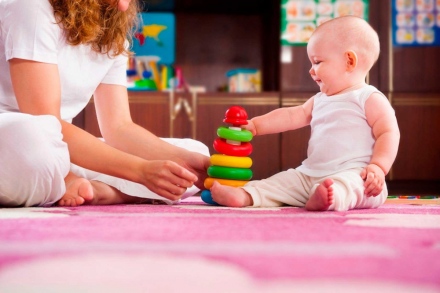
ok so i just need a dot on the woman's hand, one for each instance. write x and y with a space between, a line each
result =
374 178
196 163
167 178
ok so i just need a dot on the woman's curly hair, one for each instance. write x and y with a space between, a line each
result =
98 23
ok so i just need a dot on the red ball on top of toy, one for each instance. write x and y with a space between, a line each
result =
236 116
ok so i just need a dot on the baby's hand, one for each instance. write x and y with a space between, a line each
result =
251 127
374 178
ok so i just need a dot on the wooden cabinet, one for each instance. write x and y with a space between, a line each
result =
215 37
409 77
418 116
151 111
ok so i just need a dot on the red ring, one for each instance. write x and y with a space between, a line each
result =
242 150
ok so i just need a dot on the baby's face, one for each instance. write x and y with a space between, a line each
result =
328 64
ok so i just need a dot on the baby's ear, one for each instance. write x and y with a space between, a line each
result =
351 60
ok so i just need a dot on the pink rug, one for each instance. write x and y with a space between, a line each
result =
192 247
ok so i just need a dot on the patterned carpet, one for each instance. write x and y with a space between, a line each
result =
192 247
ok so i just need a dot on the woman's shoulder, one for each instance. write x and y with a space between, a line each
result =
30 30
25 10
25 4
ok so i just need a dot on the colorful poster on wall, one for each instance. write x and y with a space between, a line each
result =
156 37
299 18
416 22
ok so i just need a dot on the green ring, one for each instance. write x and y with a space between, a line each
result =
230 173
232 134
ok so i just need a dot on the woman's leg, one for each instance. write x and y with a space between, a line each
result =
80 190
112 190
34 160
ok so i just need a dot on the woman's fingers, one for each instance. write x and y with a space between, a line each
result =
168 179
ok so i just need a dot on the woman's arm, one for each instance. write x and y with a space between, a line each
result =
38 92
119 131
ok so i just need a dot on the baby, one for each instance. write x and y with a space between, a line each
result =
354 138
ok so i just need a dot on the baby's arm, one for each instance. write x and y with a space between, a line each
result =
381 118
282 119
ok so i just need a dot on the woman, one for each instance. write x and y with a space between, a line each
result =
54 55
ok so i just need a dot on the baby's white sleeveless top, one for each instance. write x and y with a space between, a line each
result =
341 138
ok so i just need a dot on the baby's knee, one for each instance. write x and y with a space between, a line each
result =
350 194
347 194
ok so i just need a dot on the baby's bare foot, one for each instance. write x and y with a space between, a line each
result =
322 199
230 196
78 191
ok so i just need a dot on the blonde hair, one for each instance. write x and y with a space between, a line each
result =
353 33
98 23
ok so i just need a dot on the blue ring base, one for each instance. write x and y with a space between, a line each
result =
207 198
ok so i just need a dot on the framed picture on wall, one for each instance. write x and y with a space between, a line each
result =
299 18
416 22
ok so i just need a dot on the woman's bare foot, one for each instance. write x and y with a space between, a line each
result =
81 191
322 199
107 195
230 196
78 191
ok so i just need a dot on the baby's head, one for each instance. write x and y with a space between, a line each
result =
349 33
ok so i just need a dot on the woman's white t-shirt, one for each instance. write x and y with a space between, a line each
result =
28 30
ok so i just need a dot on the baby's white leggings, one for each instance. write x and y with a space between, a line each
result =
294 188
34 161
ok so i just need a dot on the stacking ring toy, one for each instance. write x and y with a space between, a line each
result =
232 134
230 161
242 150
207 197
236 116
234 183
230 173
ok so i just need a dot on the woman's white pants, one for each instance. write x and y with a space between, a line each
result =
34 161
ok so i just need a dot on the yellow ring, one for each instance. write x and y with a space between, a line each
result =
234 183
231 161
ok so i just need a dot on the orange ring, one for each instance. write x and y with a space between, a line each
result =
209 181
